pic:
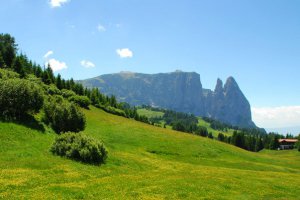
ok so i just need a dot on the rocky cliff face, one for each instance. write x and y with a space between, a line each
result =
180 91
228 104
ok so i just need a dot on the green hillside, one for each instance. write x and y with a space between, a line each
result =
149 113
153 114
145 162
213 131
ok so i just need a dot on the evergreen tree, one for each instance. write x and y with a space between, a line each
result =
63 84
2 63
58 82
94 96
178 126
274 144
46 78
8 49
221 137
18 66
202 131
113 101
49 71
72 84
38 72
68 86
238 139
258 144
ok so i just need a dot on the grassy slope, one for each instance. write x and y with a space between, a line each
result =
149 113
145 162
215 133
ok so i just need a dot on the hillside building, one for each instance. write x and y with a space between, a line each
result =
287 143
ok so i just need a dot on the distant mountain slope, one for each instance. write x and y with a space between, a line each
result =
179 91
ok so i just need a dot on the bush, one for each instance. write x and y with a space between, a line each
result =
67 93
82 101
80 147
112 110
19 97
52 90
63 116
8 74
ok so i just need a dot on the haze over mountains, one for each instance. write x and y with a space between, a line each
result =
179 91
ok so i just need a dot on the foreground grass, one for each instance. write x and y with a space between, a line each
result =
145 162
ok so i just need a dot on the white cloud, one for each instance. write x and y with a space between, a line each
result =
57 3
101 28
49 53
276 117
124 53
56 65
87 64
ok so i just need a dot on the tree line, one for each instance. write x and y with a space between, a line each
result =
19 63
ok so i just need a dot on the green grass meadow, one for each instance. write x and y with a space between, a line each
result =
145 162
149 113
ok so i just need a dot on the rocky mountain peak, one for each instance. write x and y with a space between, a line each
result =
219 86
231 84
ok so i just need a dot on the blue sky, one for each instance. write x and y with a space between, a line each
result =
257 42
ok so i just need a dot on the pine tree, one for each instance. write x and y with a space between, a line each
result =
18 66
50 74
221 137
8 49
58 82
2 63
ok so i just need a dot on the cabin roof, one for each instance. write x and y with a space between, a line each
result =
288 140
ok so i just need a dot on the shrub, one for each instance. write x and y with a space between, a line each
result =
67 93
82 101
80 147
8 74
19 97
53 90
63 116
112 110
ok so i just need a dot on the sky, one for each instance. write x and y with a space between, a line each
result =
257 42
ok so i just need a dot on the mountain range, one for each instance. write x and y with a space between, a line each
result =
179 91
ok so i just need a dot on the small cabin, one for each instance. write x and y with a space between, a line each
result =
287 143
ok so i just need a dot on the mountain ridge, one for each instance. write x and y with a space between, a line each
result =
179 91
